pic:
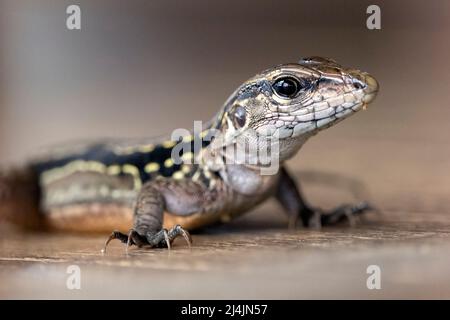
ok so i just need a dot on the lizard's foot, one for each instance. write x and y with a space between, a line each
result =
159 239
346 212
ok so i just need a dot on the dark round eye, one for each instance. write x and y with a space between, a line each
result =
287 87
238 116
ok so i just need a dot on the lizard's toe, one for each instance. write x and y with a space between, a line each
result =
115 235
346 212
155 239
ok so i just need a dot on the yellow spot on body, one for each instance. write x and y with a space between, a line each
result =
96 166
132 149
113 170
185 168
72 167
133 171
188 138
169 144
187 157
204 133
168 163
125 151
178 175
146 148
151 167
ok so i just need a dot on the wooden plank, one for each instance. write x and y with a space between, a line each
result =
253 257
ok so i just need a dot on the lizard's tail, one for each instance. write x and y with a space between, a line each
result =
19 199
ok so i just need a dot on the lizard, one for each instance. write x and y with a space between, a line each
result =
118 185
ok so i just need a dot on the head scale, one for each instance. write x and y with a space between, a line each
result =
292 102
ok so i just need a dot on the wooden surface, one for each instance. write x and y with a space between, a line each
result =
254 257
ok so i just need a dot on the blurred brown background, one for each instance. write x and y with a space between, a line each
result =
142 68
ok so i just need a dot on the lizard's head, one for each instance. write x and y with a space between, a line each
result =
294 101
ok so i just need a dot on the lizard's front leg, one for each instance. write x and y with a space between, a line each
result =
183 198
289 196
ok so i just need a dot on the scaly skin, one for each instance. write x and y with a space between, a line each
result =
107 185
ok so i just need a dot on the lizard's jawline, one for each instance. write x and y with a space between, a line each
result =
312 127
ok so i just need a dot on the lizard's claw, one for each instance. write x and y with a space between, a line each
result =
115 235
347 212
159 239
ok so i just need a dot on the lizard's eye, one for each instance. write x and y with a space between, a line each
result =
287 87
238 116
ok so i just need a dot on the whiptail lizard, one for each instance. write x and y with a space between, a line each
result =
115 185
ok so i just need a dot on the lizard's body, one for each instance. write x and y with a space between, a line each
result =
109 185
87 192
